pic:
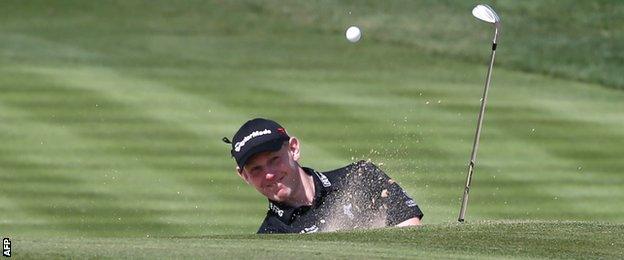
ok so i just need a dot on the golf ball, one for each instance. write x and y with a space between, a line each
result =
353 34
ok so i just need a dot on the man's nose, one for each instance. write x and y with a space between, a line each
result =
269 176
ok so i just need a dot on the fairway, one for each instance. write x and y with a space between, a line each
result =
112 114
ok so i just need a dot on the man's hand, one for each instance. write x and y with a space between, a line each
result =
409 222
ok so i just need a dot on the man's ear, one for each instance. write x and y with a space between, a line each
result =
242 174
293 148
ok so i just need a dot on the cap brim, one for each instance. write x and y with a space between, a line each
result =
269 146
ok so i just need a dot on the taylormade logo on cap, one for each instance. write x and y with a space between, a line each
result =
253 134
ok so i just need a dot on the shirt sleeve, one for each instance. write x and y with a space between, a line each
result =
398 205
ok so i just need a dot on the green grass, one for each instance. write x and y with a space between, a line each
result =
111 116
489 240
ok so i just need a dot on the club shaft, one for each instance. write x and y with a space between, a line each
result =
475 145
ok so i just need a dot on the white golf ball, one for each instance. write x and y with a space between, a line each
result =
353 34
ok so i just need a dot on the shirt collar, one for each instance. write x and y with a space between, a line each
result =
322 186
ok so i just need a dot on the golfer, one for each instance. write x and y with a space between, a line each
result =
302 200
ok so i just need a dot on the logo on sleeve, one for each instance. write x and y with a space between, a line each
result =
409 202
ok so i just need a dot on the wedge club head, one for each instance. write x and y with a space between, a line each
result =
487 14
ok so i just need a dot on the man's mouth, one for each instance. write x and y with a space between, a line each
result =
274 183
280 180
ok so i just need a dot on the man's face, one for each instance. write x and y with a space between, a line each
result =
275 174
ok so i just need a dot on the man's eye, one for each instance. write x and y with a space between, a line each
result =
255 171
275 159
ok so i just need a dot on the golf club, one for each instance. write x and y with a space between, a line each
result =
486 14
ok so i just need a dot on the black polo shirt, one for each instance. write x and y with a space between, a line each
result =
359 195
